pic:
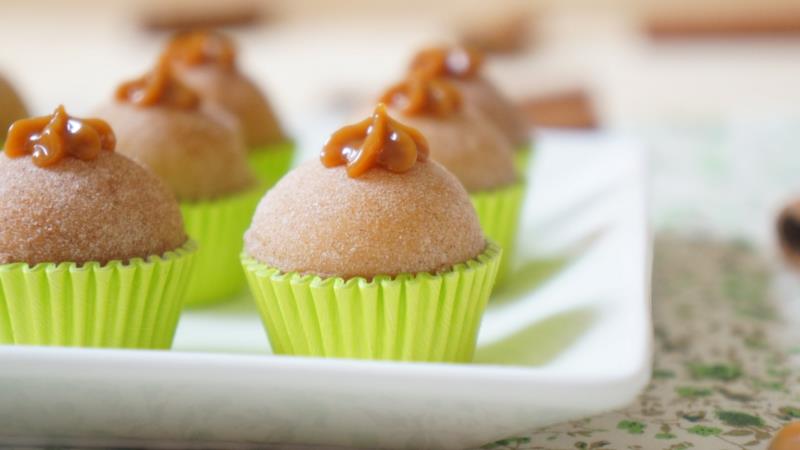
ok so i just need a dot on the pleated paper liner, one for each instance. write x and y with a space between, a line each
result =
135 304
422 317
498 211
522 158
218 226
271 162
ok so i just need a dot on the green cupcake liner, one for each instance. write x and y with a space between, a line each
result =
218 226
522 158
134 304
498 211
421 317
271 162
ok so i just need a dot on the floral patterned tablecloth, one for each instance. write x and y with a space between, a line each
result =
721 377
723 374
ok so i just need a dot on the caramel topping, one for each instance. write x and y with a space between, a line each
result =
195 48
158 87
51 138
788 438
377 140
422 94
455 62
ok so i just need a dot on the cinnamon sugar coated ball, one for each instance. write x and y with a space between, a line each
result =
498 109
11 108
469 146
199 153
241 97
319 221
101 210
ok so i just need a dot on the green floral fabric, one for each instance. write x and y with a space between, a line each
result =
721 375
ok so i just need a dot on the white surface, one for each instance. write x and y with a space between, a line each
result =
578 345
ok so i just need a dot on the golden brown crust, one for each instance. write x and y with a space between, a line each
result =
79 211
497 108
11 107
320 221
241 97
199 154
469 146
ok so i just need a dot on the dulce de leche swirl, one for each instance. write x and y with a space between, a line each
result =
455 62
423 94
195 48
51 138
377 140
159 87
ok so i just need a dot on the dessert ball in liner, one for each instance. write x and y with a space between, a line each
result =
206 62
92 246
11 107
462 66
199 152
466 143
376 253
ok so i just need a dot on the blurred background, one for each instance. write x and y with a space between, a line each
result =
709 86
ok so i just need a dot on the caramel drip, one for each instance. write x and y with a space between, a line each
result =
377 140
158 87
195 48
454 62
422 94
787 438
49 139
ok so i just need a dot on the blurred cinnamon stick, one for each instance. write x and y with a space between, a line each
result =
766 21
788 230
499 35
177 17
565 109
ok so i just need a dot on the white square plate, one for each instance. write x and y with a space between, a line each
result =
577 344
